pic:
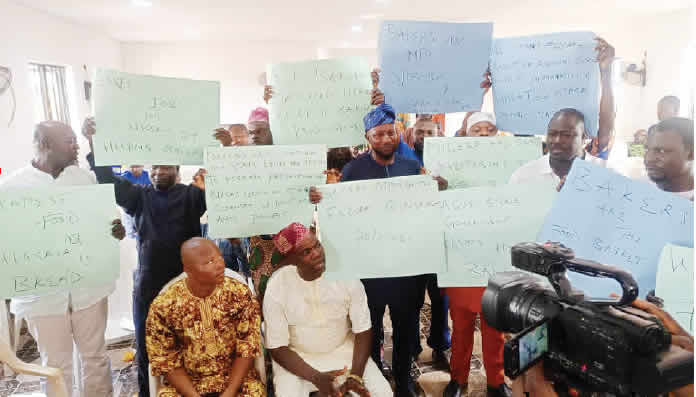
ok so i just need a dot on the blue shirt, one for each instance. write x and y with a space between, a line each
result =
365 167
406 151
142 180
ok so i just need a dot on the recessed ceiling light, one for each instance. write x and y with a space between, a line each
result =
356 28
141 3
371 16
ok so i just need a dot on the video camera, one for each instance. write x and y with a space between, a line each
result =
594 346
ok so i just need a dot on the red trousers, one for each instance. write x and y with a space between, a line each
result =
465 304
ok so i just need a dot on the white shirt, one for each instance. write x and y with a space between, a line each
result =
313 316
57 303
540 169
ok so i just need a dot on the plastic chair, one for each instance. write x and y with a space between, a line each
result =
53 375
155 382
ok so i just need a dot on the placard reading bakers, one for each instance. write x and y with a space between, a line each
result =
57 239
382 228
535 76
153 120
611 219
320 102
254 190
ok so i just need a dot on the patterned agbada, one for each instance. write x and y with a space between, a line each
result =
204 335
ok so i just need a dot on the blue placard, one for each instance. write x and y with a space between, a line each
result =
535 76
433 67
611 219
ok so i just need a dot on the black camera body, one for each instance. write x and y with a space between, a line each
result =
595 346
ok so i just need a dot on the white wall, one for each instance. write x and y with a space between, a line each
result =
32 36
237 65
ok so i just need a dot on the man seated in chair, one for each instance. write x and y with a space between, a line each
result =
203 332
315 328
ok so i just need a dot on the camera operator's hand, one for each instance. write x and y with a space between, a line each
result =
533 383
680 337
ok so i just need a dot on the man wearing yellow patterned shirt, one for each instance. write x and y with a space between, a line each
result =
203 333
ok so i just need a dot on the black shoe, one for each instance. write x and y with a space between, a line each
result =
500 391
410 389
454 389
441 359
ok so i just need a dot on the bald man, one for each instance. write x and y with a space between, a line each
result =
668 107
234 135
61 320
204 331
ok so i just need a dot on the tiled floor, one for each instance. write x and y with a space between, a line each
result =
124 374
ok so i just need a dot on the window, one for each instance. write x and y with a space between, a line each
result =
50 93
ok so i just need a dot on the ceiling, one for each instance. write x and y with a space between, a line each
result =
329 22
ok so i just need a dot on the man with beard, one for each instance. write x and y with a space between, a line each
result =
670 154
401 294
566 132
314 327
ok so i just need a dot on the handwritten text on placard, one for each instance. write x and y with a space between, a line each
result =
320 102
59 239
611 219
535 76
260 189
153 120
433 67
483 223
675 283
378 228
485 161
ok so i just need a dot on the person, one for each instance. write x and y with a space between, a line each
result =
439 338
482 124
259 127
137 175
166 214
566 132
336 159
401 294
234 135
423 128
668 107
533 382
465 305
637 147
63 319
670 154
204 332
315 327
259 249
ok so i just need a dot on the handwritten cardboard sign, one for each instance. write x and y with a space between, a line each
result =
675 283
481 161
254 190
433 67
153 120
611 219
59 239
483 223
382 228
535 76
320 102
